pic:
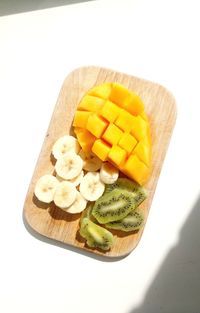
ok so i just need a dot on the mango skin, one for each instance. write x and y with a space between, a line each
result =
116 128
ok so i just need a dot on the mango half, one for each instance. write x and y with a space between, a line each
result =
110 121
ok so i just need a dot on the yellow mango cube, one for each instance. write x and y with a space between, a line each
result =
96 125
136 169
143 152
103 91
80 118
118 94
110 111
133 104
124 121
127 142
117 155
101 149
140 128
91 104
112 134
85 139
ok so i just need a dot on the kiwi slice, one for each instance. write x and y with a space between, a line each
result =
95 235
87 212
138 192
113 206
133 221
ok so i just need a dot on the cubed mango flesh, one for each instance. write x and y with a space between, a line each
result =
112 134
136 169
103 91
117 155
118 94
127 142
85 138
140 128
96 125
133 104
116 128
101 149
142 151
91 103
110 111
125 121
80 118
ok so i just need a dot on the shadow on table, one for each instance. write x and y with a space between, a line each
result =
176 287
18 6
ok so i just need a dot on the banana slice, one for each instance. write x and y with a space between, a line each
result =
65 194
69 166
45 188
91 187
65 144
108 173
78 205
90 162
75 181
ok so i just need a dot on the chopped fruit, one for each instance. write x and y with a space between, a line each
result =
80 118
91 163
125 121
103 91
133 104
91 187
118 94
119 127
110 111
108 173
85 138
127 142
112 134
142 151
136 169
96 125
117 155
139 128
65 144
91 104
101 149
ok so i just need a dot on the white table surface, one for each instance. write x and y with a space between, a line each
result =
156 40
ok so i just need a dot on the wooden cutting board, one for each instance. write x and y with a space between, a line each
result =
160 106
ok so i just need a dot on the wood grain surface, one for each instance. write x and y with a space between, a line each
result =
52 222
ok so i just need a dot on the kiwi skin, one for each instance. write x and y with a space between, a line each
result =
95 235
132 222
139 193
113 206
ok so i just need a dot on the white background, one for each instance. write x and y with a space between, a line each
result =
155 40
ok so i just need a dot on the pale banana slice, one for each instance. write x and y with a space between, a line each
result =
75 181
65 144
91 187
45 188
65 194
69 166
108 173
91 163
78 205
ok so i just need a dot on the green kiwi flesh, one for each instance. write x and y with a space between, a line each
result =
133 221
139 193
113 206
95 235
87 212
